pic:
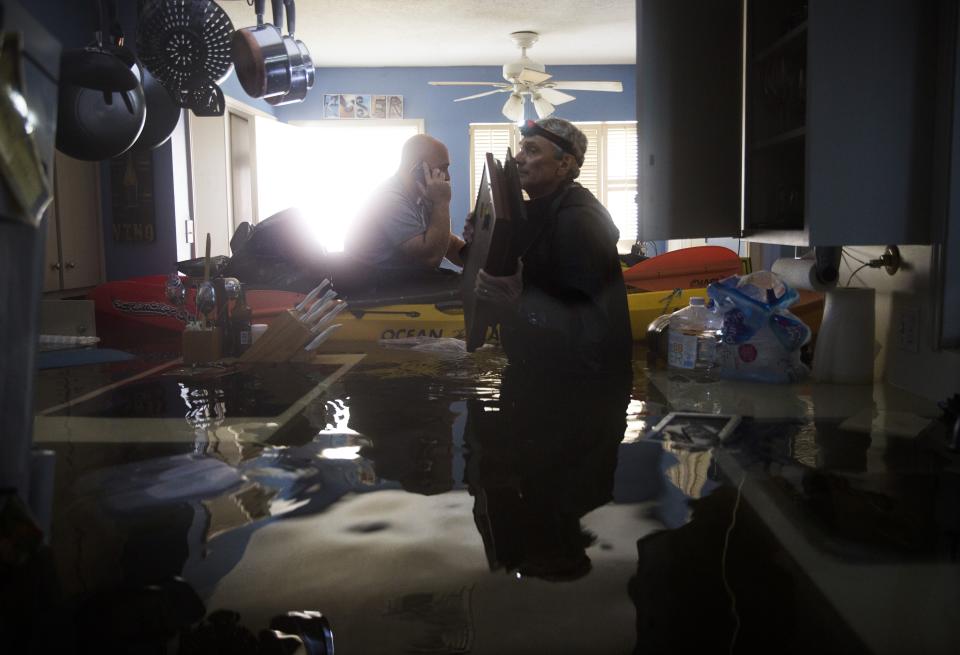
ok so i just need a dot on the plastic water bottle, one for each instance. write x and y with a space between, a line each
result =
693 336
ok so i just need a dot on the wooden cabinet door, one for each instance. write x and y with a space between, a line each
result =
689 71
51 262
78 215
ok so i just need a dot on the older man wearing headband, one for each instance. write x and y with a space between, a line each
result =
566 306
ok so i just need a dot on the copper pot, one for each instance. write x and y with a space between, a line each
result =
261 57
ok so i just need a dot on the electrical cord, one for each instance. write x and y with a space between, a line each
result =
843 251
723 565
857 270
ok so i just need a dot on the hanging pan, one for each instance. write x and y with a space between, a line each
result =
100 104
301 70
163 113
162 110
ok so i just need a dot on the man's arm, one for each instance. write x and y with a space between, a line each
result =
453 250
430 247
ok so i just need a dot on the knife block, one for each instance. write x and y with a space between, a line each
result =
201 346
284 339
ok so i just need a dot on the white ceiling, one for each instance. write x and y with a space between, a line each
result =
348 33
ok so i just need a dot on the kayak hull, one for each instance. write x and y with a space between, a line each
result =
142 300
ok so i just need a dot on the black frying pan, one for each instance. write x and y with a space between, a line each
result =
100 105
163 114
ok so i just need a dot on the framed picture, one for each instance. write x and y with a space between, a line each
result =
394 106
362 106
131 175
379 106
331 105
347 102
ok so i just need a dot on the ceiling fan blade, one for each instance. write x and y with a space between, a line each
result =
533 76
615 87
513 107
554 96
480 95
499 84
542 106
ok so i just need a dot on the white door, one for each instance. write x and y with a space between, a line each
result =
210 180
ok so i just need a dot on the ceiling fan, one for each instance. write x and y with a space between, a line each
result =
526 77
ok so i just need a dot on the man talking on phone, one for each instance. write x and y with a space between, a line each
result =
406 225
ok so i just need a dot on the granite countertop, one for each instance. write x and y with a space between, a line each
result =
857 485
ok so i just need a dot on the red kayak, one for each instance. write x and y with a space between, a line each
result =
657 285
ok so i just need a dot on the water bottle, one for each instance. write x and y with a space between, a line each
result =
693 335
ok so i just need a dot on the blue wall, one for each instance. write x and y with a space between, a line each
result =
450 121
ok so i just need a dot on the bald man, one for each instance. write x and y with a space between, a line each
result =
407 223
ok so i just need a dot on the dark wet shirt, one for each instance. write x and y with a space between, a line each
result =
573 311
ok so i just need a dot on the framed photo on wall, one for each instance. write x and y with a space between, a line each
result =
331 105
379 106
361 106
347 101
394 106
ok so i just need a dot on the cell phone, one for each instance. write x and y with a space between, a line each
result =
418 173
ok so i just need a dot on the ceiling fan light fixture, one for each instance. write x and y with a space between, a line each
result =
513 107
542 105
525 77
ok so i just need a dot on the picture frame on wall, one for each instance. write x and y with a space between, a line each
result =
379 106
361 106
347 102
394 106
331 105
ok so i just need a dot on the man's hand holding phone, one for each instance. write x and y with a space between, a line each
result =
433 184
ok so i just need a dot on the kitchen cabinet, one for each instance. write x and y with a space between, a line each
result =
788 121
74 235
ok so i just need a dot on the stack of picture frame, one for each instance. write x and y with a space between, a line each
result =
361 106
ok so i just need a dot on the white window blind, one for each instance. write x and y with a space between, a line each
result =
484 138
620 188
609 168
591 173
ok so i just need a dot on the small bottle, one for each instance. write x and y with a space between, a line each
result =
694 333
240 325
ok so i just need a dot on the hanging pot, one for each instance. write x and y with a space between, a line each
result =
100 105
302 72
260 57
163 114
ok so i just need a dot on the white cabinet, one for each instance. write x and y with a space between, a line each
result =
74 236
803 122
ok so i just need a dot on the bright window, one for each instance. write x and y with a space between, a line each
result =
338 164
609 169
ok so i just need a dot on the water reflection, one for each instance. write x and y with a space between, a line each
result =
540 458
389 499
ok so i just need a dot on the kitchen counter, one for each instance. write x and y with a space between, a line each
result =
859 489
431 501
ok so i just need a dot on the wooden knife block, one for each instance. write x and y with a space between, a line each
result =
201 346
284 339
